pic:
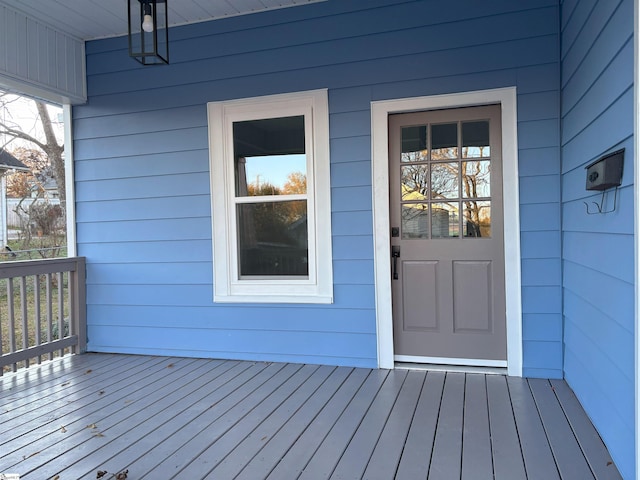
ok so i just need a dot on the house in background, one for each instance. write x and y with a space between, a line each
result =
8 163
377 96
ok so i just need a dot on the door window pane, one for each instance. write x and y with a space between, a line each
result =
476 220
415 182
475 140
414 143
444 141
476 179
273 238
444 180
415 220
444 220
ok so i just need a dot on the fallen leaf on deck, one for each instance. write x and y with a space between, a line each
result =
122 475
170 365
57 477
89 371
609 463
65 384
101 392
98 434
101 473
264 438
63 430
92 426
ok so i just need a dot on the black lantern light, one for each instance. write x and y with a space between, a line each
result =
148 31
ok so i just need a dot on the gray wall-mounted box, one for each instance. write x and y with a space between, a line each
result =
606 172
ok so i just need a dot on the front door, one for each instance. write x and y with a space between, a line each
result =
447 241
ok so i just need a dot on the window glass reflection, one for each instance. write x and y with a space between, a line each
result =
476 220
475 139
444 220
415 220
476 179
415 182
414 143
444 180
273 238
271 175
444 141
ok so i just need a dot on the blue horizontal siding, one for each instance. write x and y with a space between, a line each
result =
598 250
142 173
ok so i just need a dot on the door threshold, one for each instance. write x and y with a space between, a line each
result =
451 368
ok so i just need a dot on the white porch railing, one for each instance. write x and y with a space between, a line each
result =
42 311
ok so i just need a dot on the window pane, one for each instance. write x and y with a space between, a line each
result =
444 220
273 238
271 175
476 179
477 219
267 154
444 180
415 182
444 141
415 220
475 139
414 144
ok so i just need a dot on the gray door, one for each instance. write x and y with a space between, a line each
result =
447 234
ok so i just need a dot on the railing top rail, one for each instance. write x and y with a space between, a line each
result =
40 267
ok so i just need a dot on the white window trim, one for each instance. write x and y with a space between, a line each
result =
228 286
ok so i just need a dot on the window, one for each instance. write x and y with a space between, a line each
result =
269 163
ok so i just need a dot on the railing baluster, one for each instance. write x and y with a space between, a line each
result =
36 312
12 320
61 334
60 304
24 316
49 313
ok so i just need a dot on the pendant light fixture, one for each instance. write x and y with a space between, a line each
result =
148 31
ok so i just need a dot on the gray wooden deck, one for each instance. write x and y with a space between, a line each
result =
165 418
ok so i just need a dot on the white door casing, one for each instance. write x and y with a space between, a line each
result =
380 110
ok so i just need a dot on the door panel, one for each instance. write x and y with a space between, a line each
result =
420 300
446 200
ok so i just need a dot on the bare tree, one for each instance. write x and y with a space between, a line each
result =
12 131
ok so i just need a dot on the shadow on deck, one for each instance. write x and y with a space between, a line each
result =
179 418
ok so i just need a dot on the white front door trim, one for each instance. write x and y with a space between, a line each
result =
380 111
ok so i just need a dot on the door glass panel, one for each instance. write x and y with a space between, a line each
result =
414 144
475 139
476 221
415 182
415 220
273 238
444 180
444 141
444 220
476 179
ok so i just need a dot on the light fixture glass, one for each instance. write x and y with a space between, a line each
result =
148 31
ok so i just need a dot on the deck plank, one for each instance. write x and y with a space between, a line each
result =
447 448
476 437
164 418
590 441
263 463
538 459
386 456
298 456
569 458
416 456
505 445
357 454
127 440
328 454
105 408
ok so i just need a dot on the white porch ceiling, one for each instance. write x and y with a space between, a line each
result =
92 19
